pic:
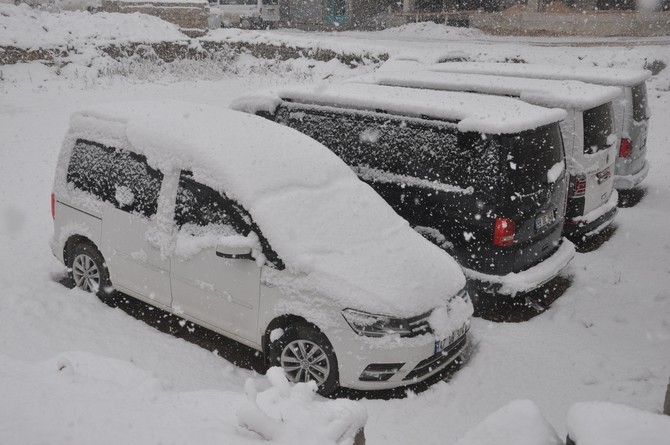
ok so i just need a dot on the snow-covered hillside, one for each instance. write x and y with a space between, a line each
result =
73 370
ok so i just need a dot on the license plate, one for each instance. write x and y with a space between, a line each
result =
544 220
603 175
441 345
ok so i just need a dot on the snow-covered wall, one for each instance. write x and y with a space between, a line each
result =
574 24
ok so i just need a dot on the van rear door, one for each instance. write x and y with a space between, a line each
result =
596 159
536 192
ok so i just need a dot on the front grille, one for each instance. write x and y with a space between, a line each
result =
431 363
419 325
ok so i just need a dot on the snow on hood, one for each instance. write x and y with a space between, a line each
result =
597 75
473 112
317 215
566 94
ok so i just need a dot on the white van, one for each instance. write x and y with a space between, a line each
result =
588 133
259 233
631 111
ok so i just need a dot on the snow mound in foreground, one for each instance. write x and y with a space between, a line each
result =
291 414
519 422
81 397
595 423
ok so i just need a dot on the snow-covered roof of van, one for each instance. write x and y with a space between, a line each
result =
472 112
318 216
597 75
547 93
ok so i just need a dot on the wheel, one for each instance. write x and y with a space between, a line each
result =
305 354
88 271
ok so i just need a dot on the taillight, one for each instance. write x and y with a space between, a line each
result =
503 233
578 186
626 148
53 206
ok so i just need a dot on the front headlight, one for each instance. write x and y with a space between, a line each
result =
372 325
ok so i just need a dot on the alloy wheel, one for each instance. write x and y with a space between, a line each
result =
304 360
86 273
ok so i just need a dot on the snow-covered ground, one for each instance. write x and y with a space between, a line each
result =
73 370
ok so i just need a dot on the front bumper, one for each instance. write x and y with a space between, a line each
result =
627 182
516 283
367 363
401 367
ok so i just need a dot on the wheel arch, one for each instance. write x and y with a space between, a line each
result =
72 241
282 322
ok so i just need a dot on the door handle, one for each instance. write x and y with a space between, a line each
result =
235 256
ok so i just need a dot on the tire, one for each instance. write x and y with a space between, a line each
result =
304 353
88 271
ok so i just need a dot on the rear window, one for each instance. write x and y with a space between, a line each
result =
115 176
597 128
532 155
418 148
639 102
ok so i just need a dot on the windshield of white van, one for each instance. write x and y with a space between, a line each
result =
532 155
639 102
597 128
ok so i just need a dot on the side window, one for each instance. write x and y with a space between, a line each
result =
597 128
391 144
119 177
200 209
428 150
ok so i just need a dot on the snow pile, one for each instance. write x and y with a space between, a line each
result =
24 27
520 422
431 30
596 423
290 414
83 397
337 236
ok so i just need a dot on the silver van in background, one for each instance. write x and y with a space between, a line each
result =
588 133
631 112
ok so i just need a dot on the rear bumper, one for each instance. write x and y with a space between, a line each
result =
626 182
594 222
515 283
